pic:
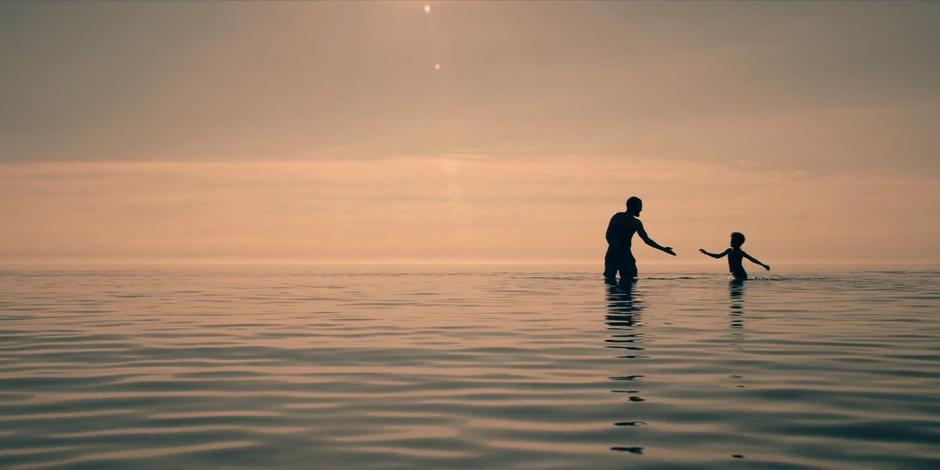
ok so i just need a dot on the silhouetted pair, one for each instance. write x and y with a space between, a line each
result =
619 257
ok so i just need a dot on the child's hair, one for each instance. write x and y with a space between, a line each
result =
737 238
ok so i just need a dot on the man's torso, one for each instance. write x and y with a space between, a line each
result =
621 230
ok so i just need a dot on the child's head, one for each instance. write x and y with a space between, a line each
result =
737 239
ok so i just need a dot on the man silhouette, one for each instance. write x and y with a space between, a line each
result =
620 232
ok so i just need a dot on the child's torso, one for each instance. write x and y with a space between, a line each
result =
735 260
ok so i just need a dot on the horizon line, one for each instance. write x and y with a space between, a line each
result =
273 261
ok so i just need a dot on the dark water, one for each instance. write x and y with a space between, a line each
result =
234 368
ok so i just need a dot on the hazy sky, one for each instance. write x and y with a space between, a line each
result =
347 131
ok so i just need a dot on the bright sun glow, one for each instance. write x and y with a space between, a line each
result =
427 9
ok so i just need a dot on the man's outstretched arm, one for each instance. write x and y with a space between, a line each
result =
649 241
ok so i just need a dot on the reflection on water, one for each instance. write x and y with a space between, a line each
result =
623 308
623 321
173 368
736 302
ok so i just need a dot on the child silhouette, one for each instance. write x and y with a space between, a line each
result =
735 257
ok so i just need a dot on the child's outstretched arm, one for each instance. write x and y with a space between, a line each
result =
714 255
756 261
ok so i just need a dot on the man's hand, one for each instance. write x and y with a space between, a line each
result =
668 249
767 267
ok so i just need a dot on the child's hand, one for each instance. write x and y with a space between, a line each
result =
701 250
668 249
767 267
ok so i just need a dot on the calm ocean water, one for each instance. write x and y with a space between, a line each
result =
204 367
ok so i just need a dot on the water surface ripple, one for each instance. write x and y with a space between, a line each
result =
177 368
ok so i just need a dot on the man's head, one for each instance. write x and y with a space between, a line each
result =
634 205
737 239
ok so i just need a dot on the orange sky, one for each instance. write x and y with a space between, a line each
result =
462 207
324 131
